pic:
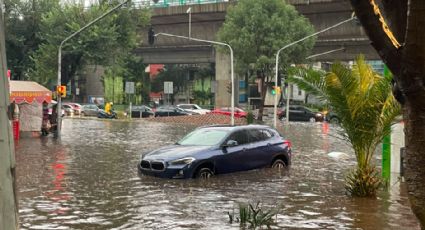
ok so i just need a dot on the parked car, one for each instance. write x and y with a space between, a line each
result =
227 111
89 110
165 111
75 106
69 111
193 108
141 111
218 149
300 113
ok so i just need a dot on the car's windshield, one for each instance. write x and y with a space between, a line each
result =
207 137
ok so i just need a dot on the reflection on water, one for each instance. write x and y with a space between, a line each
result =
89 180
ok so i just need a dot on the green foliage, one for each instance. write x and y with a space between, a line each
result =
201 97
113 85
254 216
104 42
362 100
178 75
363 182
22 27
256 30
250 117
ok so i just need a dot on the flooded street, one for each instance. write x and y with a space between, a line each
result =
88 180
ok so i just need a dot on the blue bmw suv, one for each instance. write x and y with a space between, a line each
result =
218 149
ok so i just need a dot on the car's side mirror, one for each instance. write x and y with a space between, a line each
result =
231 143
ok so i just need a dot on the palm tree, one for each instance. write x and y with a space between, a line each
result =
363 101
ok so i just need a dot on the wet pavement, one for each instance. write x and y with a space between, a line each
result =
88 180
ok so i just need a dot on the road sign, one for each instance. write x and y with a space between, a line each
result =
168 87
129 87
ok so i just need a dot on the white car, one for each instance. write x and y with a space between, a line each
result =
193 108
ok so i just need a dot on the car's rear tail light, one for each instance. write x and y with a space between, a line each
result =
288 143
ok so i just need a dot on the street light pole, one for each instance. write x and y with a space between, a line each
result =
277 67
59 105
189 11
232 77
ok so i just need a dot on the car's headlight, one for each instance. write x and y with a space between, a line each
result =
319 114
182 161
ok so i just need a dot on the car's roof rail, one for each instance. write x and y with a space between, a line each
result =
217 125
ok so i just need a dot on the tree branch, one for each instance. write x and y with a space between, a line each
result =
396 16
380 41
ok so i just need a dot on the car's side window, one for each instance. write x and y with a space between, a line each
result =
255 135
240 136
266 133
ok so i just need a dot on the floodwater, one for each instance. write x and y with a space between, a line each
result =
88 180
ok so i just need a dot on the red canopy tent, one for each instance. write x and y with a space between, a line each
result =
29 92
29 97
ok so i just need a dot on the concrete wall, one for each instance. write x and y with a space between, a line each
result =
92 85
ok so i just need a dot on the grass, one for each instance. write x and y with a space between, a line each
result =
253 216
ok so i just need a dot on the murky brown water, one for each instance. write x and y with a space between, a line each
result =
89 180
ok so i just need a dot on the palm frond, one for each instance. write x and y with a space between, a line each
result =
309 80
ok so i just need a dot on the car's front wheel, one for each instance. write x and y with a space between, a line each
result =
204 173
278 164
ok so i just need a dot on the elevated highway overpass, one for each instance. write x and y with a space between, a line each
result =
208 18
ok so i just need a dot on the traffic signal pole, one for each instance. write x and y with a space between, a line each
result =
59 105
232 77
277 68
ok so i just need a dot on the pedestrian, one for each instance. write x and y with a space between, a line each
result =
45 124
54 119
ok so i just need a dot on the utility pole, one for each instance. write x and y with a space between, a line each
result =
59 82
8 201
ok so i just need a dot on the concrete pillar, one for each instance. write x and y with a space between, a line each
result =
8 201
396 143
222 78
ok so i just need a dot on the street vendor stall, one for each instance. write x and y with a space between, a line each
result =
29 97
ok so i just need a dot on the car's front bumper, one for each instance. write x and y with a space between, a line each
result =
172 172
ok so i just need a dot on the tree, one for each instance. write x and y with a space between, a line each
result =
398 39
22 21
103 43
257 30
178 75
363 101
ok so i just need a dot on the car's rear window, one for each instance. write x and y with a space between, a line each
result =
207 137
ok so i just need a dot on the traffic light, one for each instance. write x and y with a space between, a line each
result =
151 36
61 89
276 90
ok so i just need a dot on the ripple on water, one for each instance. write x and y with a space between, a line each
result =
88 180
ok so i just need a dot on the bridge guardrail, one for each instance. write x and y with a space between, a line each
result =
167 3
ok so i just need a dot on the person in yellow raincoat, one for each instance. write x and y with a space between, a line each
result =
108 107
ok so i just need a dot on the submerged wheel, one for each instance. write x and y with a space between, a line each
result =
278 164
312 119
204 173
